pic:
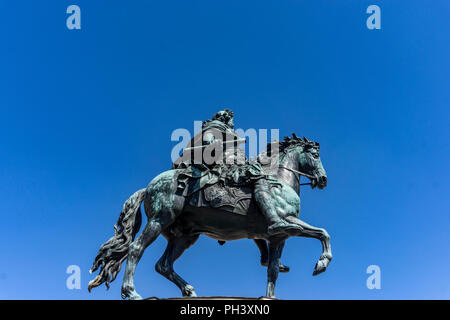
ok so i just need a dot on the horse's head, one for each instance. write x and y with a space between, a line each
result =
307 155
311 164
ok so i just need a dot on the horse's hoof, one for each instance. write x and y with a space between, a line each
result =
188 291
130 294
135 296
283 268
321 266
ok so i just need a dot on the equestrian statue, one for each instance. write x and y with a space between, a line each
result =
213 189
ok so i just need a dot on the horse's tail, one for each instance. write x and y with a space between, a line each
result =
114 251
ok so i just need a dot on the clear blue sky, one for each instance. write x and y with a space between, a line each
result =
86 119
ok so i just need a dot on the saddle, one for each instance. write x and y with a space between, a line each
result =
228 198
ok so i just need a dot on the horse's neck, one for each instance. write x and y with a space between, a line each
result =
290 161
290 178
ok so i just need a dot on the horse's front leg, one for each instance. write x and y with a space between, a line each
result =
264 251
275 250
317 233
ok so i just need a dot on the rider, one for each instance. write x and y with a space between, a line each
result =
231 166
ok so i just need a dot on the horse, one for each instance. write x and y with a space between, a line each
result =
171 215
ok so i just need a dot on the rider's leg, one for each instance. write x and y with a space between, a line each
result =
268 207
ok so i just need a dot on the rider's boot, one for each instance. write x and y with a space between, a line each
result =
268 208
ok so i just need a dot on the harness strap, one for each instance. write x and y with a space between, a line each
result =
298 174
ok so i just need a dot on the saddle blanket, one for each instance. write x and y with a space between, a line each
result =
232 199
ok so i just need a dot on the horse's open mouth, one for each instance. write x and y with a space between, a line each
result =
320 182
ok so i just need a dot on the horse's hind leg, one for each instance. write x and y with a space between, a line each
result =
175 248
162 207
151 231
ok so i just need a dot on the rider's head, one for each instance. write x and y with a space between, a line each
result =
225 116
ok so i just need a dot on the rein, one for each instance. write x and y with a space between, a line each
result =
298 174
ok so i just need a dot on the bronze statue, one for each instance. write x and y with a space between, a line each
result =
220 194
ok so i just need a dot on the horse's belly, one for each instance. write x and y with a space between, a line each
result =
217 224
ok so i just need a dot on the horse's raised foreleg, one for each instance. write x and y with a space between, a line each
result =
275 250
317 233
174 250
264 250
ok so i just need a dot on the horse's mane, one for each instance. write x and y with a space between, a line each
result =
289 143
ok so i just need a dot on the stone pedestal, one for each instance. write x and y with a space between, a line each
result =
212 298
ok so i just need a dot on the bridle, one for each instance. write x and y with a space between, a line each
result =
298 174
